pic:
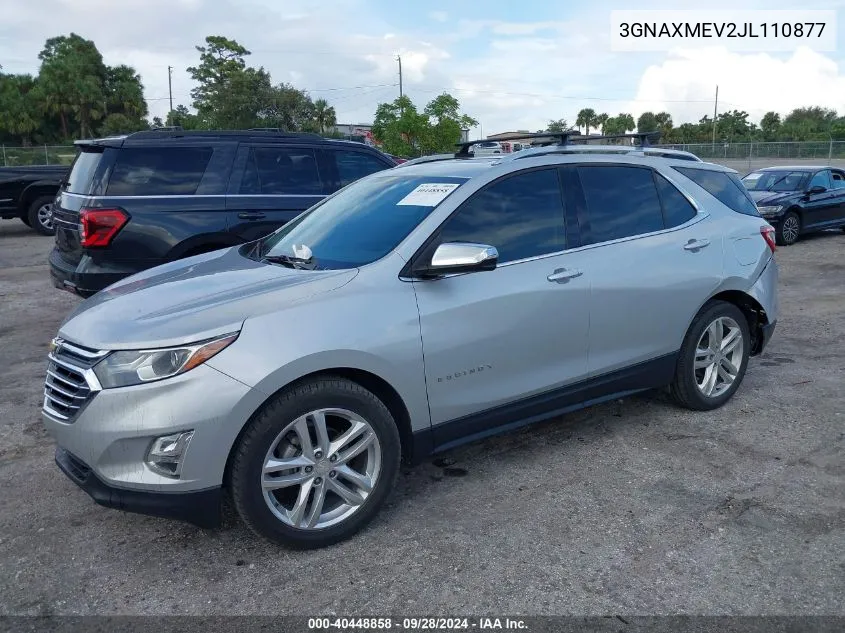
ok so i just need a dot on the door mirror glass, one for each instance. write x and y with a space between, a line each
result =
460 257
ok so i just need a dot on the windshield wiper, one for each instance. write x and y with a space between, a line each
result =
290 261
771 187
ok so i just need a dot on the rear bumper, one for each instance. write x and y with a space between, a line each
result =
87 277
199 508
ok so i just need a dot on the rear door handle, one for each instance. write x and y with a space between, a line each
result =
251 215
694 245
562 275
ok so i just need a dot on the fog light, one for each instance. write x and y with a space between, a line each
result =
166 453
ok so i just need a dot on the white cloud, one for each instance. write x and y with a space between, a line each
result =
751 82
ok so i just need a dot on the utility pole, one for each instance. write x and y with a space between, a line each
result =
399 59
169 86
715 111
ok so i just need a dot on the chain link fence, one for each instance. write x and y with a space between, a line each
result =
822 150
37 155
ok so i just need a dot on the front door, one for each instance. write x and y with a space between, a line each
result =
511 335
821 208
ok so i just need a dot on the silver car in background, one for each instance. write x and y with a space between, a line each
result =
414 310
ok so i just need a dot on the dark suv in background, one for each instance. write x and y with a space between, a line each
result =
138 201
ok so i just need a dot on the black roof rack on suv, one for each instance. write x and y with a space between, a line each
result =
177 131
564 138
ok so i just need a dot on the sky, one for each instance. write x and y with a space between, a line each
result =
512 65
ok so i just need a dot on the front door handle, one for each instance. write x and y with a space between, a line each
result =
251 215
562 275
695 245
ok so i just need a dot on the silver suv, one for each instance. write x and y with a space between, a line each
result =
414 310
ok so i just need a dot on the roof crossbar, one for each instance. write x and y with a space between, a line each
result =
645 139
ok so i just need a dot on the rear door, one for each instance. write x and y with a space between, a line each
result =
837 181
650 257
271 184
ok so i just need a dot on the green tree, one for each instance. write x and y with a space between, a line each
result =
287 108
600 121
125 93
556 125
586 119
19 107
770 126
324 115
733 126
72 78
808 124
647 122
664 124
399 127
442 130
221 67
182 117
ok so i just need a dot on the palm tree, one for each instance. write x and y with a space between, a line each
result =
324 115
601 121
586 118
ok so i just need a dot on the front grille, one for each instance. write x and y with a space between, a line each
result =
66 389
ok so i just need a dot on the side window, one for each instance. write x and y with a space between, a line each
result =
676 208
822 179
281 170
522 216
724 186
147 171
352 166
838 180
621 202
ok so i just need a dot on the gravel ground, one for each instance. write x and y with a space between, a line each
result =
633 507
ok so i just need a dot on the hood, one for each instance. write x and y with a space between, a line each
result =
192 299
772 198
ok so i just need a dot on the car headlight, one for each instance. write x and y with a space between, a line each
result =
126 368
764 211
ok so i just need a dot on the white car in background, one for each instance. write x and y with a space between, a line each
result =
487 148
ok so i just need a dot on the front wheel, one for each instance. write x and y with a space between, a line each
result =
714 357
40 215
316 464
789 229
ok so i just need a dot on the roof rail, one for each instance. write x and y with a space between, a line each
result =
167 128
646 139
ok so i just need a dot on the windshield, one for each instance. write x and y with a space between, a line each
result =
779 180
361 223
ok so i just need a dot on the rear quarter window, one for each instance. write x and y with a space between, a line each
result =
147 171
82 172
725 187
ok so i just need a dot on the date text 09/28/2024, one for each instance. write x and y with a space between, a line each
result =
416 624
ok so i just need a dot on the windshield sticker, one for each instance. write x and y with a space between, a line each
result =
429 194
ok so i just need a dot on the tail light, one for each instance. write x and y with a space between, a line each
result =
768 234
97 227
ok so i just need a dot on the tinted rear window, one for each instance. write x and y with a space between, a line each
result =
282 170
82 172
621 202
175 171
725 187
352 166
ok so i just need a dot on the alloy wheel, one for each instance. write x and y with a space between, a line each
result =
718 357
791 228
45 216
321 468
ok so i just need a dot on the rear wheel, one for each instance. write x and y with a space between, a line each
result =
789 229
714 357
316 464
40 215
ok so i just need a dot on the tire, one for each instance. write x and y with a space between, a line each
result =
686 388
40 215
276 433
789 229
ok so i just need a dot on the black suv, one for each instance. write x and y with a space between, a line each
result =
798 200
137 201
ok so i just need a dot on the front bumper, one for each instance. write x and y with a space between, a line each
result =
201 508
115 428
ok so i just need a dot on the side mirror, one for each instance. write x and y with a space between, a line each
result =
459 257
816 189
